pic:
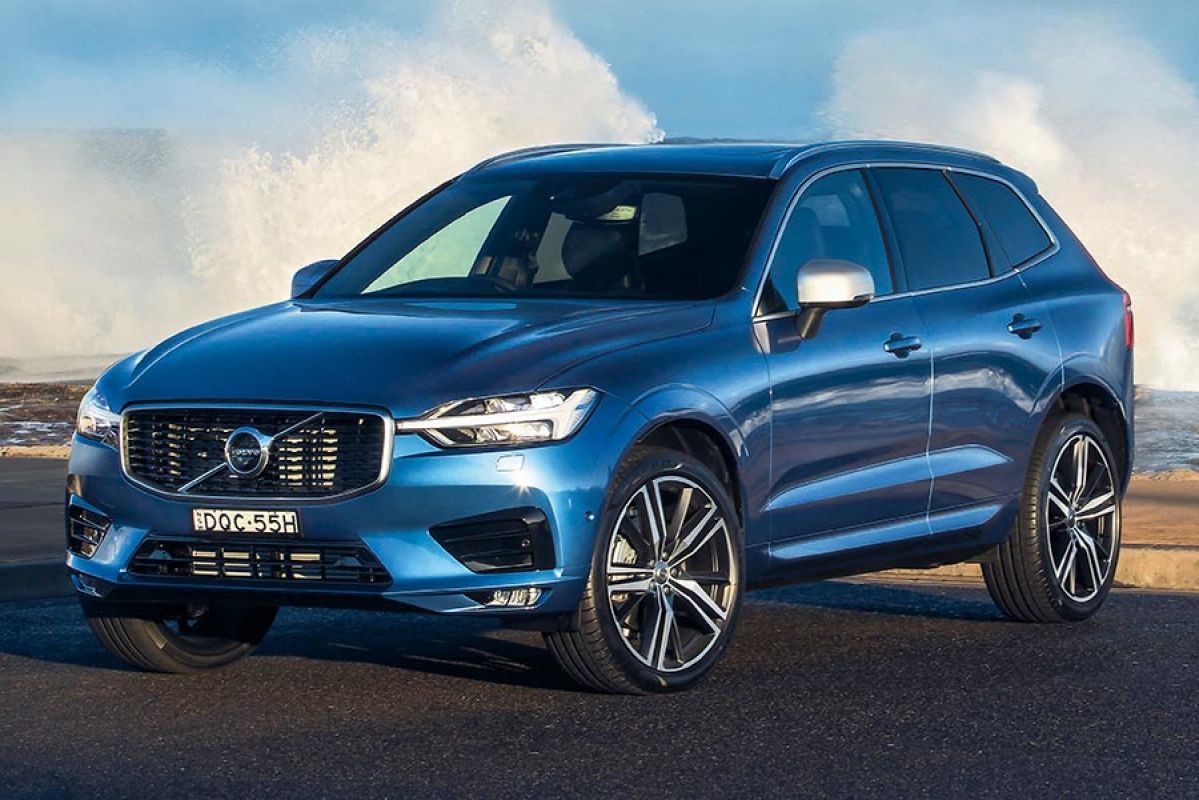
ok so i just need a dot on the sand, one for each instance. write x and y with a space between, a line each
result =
1162 511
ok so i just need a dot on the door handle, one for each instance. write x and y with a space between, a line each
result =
899 345
1023 327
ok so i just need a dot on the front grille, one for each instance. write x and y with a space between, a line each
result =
336 453
259 561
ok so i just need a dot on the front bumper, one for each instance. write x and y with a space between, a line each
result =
426 487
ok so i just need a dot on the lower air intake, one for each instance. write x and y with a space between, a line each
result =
85 530
267 561
505 541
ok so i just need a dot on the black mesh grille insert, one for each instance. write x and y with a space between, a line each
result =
336 453
259 560
505 541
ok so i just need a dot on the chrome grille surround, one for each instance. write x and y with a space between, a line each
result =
165 448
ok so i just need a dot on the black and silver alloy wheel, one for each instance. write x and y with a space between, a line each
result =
1060 561
664 594
1082 518
671 574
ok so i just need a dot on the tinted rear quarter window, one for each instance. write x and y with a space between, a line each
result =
1018 231
938 239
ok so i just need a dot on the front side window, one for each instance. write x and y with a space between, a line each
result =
938 239
564 236
1019 233
834 218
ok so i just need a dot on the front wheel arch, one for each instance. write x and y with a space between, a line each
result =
590 647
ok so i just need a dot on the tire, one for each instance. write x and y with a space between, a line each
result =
686 582
1060 561
178 639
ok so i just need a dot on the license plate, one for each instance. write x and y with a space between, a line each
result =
229 520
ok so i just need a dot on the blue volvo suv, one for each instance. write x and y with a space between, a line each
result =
600 391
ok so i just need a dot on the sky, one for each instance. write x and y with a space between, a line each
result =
705 68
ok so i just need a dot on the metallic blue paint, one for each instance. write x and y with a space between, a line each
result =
845 457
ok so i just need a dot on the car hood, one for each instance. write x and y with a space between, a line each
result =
404 355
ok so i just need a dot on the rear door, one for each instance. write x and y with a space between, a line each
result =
992 347
849 407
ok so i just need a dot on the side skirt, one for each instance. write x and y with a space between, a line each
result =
945 537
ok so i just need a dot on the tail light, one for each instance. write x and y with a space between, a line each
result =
1129 325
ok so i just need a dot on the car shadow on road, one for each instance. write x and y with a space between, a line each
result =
947 601
473 649
459 648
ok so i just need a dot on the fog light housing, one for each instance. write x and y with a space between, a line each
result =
522 597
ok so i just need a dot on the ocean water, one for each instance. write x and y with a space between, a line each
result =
38 401
1167 431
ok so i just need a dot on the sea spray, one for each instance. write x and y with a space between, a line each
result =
1097 118
114 239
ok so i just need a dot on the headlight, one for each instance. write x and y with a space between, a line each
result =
511 420
96 420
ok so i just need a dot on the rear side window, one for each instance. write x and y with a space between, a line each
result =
938 239
1018 231
833 219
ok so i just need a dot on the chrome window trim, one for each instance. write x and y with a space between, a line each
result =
384 467
1052 250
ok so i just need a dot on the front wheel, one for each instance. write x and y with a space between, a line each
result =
185 638
665 588
1060 562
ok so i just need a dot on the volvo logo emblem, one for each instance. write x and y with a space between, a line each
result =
247 451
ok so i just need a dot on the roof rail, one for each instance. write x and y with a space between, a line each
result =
729 140
827 146
534 152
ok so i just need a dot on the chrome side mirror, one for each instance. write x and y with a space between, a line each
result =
824 284
309 276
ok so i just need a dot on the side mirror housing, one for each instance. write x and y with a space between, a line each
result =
825 284
307 277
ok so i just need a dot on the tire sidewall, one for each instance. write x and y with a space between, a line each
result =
1065 429
155 645
639 468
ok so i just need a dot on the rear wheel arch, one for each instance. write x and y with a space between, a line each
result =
1100 404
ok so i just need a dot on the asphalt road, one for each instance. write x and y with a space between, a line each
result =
31 492
834 689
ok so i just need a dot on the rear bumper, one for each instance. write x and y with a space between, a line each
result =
426 487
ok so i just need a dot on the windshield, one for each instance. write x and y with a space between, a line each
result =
568 236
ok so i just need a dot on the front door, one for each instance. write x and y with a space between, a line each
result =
849 407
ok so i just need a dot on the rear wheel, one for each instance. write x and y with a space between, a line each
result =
665 587
1060 562
186 638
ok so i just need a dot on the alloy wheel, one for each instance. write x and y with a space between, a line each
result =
671 575
1082 518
